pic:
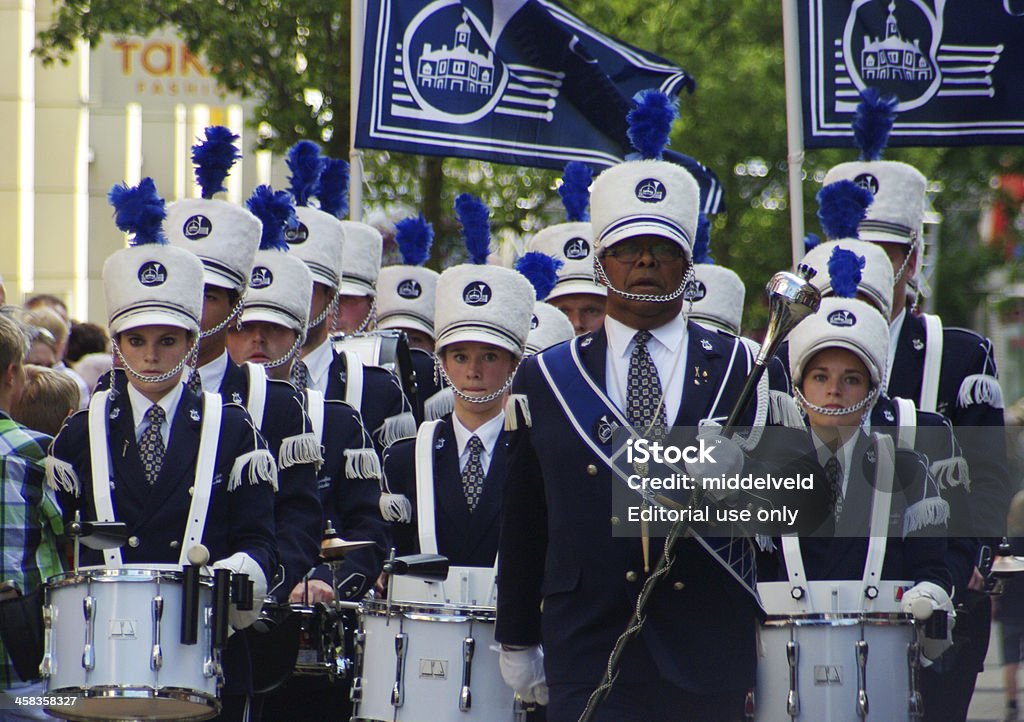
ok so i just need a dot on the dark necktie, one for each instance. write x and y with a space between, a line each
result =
195 382
299 375
645 408
834 475
473 474
151 444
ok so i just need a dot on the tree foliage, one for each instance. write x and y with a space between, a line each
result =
278 50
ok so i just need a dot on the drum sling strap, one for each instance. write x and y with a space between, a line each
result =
201 490
932 362
881 502
587 406
353 380
426 437
257 401
315 411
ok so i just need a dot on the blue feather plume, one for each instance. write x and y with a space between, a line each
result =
873 122
333 193
844 272
476 227
213 159
575 190
306 164
810 241
702 241
541 270
414 237
139 211
841 207
650 123
276 212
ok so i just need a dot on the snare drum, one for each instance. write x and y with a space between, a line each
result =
296 639
836 666
113 642
429 663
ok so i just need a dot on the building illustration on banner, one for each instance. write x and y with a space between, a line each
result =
908 57
444 70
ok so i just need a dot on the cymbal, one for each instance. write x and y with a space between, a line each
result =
336 548
1008 565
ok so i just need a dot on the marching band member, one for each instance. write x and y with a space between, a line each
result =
405 301
271 330
948 370
576 294
320 240
225 238
154 437
482 317
565 578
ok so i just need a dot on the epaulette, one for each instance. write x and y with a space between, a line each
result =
517 412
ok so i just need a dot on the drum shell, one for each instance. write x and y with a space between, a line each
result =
123 683
433 670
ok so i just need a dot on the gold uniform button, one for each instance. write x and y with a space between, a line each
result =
632 576
678 586
592 469
133 541
615 521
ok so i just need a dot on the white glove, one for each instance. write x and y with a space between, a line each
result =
935 597
242 563
726 454
523 671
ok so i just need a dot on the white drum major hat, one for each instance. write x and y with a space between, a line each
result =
150 283
361 264
548 326
572 242
318 238
224 236
876 276
897 214
477 302
649 195
716 293
405 293
281 286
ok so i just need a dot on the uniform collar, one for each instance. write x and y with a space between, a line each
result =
213 372
318 361
140 404
487 432
670 335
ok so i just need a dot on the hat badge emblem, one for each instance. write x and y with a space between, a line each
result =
197 228
261 277
576 249
477 293
534 322
296 235
650 190
868 182
409 288
842 318
695 291
152 273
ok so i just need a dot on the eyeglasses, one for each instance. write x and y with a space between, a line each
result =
630 251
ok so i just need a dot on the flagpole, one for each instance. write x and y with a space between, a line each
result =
355 156
794 126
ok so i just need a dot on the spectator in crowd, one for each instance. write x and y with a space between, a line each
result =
47 399
92 366
42 346
83 339
50 320
48 300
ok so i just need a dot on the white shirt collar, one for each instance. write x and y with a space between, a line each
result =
488 433
318 361
140 404
620 336
212 374
844 453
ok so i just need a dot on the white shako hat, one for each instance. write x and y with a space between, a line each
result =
548 326
649 195
477 302
715 292
897 214
572 242
224 236
281 286
150 283
361 265
318 238
405 293
876 277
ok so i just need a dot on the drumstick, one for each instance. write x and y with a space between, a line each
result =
197 556
921 609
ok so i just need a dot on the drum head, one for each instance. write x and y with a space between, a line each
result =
172 705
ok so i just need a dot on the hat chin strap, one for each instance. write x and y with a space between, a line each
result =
327 310
235 313
867 401
474 399
601 278
288 355
162 377
370 316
